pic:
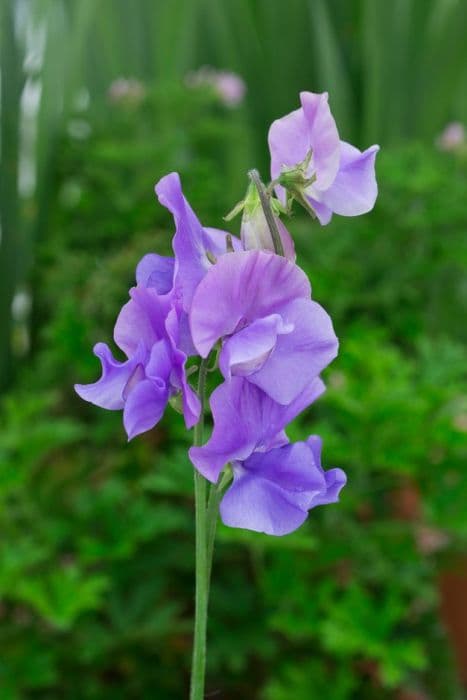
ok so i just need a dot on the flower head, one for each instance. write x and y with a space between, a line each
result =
324 173
148 332
275 483
259 305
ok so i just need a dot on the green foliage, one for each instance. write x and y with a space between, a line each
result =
96 557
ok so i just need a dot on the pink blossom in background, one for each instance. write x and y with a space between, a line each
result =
129 90
230 87
452 137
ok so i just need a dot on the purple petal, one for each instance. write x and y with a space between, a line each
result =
245 418
287 241
257 504
242 287
324 137
273 491
108 392
354 190
310 128
323 212
335 478
159 364
141 319
156 271
248 349
190 400
289 143
145 406
298 357
293 467
191 241
217 241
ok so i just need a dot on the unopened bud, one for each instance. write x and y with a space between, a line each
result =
255 232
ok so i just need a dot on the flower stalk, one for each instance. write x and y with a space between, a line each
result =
205 518
268 213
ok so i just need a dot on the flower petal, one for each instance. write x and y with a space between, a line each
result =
298 357
178 379
289 141
248 349
242 287
335 478
245 419
156 271
191 241
141 319
108 391
273 491
354 190
324 137
257 504
145 406
217 241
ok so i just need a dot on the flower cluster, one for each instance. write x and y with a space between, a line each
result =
236 300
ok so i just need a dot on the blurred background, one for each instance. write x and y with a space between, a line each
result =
369 599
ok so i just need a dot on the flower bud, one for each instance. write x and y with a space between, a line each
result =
255 232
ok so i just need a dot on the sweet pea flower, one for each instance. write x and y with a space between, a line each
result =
259 305
148 331
275 483
196 247
152 328
324 173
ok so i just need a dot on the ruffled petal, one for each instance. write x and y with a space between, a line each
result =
142 319
178 379
324 137
289 141
145 406
159 364
311 128
242 287
254 503
245 419
298 357
156 271
335 478
108 392
248 349
354 189
191 241
273 491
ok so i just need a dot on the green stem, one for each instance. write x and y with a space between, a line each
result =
268 213
215 495
204 533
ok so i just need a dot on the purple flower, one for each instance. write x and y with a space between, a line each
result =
148 332
334 176
272 333
275 483
195 247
